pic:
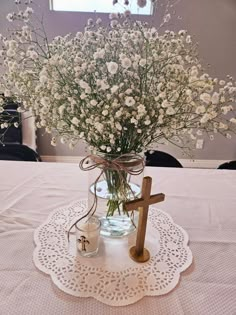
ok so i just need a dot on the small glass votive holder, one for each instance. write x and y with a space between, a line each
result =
87 236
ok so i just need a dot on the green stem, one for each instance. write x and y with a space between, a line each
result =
118 189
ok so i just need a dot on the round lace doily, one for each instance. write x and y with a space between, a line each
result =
112 277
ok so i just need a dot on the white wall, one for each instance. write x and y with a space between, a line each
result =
211 22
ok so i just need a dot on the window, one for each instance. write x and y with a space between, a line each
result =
100 6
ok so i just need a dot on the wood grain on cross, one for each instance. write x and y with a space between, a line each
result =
138 252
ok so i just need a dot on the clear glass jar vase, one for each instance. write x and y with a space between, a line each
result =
114 180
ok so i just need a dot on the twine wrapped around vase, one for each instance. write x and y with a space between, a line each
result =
120 164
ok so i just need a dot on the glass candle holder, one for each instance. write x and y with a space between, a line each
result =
87 236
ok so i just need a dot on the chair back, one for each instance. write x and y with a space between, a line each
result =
161 159
228 166
10 115
18 152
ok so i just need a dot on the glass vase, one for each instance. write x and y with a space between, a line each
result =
114 180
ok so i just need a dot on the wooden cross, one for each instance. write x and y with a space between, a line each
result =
138 253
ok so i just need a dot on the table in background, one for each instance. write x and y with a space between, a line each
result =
203 202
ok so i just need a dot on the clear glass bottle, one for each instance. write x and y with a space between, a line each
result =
115 180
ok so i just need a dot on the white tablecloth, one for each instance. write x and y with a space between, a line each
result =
203 202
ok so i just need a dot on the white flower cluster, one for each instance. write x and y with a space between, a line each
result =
119 88
140 3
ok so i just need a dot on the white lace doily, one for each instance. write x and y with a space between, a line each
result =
112 277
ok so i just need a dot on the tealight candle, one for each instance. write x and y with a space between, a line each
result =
87 236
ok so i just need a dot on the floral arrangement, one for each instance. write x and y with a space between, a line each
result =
119 88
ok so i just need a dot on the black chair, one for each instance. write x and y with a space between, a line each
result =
18 152
10 115
161 159
228 166
11 147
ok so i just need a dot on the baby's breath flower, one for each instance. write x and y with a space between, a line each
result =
112 67
114 89
221 82
113 15
167 18
126 63
200 109
215 98
10 17
127 13
54 141
75 121
142 62
205 97
90 22
93 102
142 3
100 86
105 112
103 147
188 39
129 101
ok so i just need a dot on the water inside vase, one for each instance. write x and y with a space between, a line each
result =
120 224
117 226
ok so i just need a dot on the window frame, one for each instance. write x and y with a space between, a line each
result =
51 8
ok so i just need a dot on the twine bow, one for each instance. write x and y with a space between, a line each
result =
119 164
